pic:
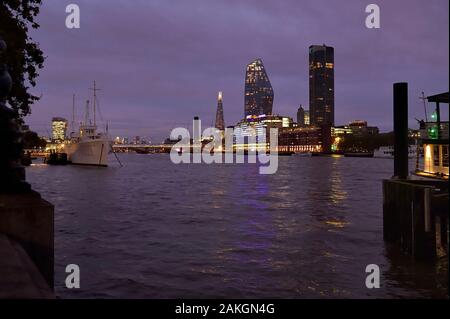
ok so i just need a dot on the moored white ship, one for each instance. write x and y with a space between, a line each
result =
388 152
87 147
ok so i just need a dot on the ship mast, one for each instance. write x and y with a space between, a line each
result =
95 101
86 115
73 115
424 99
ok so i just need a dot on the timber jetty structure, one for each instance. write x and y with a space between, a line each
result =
415 211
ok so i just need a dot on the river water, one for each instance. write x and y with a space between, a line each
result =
153 229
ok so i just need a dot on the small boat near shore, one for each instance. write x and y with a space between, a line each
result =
326 154
388 152
56 158
303 154
358 154
285 153
142 150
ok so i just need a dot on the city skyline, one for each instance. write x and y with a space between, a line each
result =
148 89
224 156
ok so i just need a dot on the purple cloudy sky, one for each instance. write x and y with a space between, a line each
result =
161 62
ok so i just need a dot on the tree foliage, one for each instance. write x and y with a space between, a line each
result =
24 58
369 142
32 140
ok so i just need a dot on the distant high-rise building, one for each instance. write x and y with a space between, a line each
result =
307 119
59 129
258 90
360 127
220 123
321 85
301 116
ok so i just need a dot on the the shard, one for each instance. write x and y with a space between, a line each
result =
220 123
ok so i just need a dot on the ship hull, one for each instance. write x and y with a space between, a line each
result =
89 152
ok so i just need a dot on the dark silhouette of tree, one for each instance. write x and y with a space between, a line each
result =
368 142
32 140
23 57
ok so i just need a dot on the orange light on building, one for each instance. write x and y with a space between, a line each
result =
428 159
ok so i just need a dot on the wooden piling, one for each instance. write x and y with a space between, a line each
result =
411 210
401 130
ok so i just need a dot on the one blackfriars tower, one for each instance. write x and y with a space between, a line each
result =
321 85
220 123
258 90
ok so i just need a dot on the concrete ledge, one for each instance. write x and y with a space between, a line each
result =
29 220
19 276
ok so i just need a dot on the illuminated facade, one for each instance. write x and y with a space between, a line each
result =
258 90
220 123
302 140
321 85
338 135
59 129
341 131
307 118
256 129
250 134
360 128
277 121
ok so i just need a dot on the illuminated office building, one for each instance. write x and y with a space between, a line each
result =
307 118
257 129
304 139
59 129
321 85
360 128
258 90
301 116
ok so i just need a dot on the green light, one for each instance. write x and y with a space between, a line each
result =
432 132
433 116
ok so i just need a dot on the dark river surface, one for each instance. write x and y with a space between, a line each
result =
153 229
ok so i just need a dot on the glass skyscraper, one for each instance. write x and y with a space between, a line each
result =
321 85
258 90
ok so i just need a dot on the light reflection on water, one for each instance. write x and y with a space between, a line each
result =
155 229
